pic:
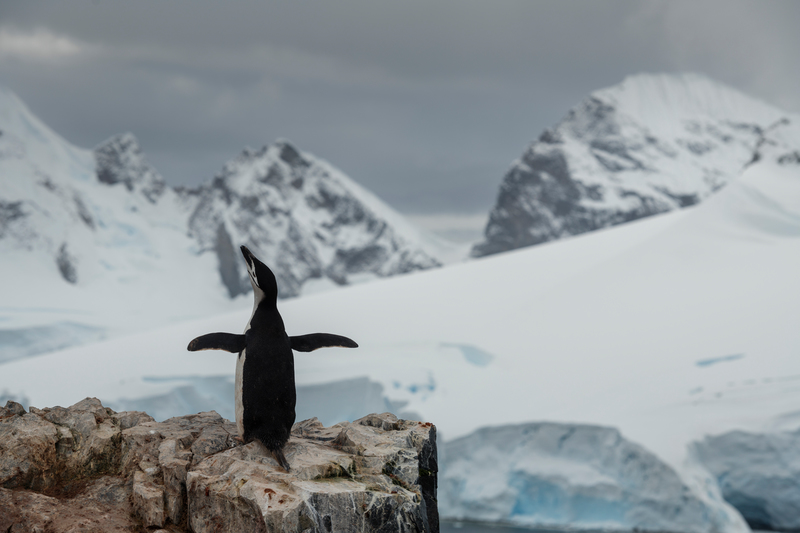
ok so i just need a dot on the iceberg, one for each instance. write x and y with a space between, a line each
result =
556 475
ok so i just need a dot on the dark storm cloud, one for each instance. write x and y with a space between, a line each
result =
426 103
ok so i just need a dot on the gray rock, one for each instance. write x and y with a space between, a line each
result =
148 500
189 473
11 408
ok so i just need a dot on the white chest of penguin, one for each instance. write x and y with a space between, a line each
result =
259 296
239 405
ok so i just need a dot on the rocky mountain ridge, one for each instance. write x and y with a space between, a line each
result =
310 221
651 144
301 215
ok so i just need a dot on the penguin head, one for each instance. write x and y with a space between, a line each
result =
261 277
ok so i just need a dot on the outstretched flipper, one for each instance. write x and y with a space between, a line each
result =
313 341
218 341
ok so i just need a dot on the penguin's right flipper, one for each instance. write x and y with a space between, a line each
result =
314 341
218 341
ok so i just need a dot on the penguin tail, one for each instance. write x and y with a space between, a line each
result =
281 459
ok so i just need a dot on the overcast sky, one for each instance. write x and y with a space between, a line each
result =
427 103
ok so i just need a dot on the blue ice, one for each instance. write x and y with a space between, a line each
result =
472 354
715 360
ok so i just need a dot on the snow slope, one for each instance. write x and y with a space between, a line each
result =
651 144
88 241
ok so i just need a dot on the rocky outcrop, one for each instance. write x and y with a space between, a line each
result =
89 467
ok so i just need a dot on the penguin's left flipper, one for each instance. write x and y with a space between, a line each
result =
313 341
218 341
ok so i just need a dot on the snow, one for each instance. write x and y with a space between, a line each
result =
662 101
88 260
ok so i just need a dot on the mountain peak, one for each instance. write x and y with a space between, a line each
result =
119 159
305 217
650 144
658 100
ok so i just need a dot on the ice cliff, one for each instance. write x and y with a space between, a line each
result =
759 474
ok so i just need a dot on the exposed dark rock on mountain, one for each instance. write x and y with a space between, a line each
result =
91 468
120 160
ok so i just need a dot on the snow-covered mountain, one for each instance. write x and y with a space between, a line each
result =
651 144
669 329
305 218
93 242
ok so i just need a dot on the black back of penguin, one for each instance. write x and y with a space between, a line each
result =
268 387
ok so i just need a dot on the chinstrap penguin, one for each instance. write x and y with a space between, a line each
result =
265 390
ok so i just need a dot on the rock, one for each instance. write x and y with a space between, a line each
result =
102 505
86 467
148 500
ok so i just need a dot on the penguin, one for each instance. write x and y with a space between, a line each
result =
265 389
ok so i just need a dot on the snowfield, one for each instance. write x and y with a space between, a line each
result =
669 329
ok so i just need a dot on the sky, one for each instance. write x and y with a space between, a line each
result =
426 103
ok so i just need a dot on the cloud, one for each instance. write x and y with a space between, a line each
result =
750 45
38 45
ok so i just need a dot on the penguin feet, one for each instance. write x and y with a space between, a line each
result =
278 454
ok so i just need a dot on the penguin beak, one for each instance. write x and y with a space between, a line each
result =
251 264
248 257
